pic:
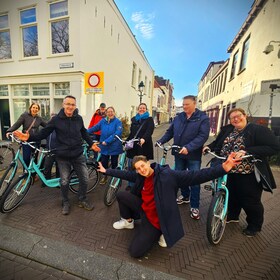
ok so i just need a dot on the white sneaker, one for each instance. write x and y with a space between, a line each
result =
195 213
123 223
162 242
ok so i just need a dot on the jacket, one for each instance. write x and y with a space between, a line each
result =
166 183
191 133
109 128
145 132
259 141
96 118
70 132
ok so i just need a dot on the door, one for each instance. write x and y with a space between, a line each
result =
4 117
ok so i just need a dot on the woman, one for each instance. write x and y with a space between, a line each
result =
111 147
30 122
154 197
244 189
142 127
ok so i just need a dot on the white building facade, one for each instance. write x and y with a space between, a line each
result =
47 47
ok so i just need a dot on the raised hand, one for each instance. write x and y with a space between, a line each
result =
231 161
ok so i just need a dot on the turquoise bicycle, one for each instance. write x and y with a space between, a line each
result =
7 154
17 187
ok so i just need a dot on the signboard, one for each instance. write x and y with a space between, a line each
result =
66 65
94 83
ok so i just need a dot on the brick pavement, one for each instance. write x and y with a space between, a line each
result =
236 257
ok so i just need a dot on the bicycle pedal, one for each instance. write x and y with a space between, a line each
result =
208 187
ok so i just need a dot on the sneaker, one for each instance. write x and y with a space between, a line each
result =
65 208
85 204
162 242
181 200
103 180
249 233
123 223
229 220
195 214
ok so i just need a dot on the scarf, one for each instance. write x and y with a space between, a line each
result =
144 116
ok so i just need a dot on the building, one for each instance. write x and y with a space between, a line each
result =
49 49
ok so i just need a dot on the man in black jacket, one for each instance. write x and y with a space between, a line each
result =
70 131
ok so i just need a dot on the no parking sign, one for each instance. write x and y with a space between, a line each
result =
94 82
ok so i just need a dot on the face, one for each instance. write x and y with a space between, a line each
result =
238 120
102 109
69 105
143 168
189 106
110 113
142 109
34 110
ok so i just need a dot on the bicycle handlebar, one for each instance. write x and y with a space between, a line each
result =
124 141
208 151
167 147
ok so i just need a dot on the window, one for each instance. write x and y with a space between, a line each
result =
133 80
244 54
145 83
61 89
29 32
59 22
21 90
233 68
40 90
5 40
4 90
139 76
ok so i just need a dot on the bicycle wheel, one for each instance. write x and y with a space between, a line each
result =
93 175
7 154
7 178
15 193
215 226
111 189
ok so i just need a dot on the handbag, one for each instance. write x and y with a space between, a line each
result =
261 178
130 143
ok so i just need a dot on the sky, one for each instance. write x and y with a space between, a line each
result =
181 37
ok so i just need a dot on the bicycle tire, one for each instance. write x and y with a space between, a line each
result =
111 189
215 226
15 194
93 181
7 178
7 155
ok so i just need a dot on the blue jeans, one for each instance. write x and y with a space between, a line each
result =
193 192
129 168
79 165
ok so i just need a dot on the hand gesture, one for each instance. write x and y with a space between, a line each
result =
95 147
21 136
231 161
101 168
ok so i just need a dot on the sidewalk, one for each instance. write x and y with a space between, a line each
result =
85 246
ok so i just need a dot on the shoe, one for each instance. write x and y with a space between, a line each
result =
229 220
123 223
103 180
162 242
181 200
195 214
249 233
85 204
65 208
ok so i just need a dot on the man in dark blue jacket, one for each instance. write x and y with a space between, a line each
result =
190 130
69 128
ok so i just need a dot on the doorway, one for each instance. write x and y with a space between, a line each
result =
4 117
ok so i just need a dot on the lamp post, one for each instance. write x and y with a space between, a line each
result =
269 48
140 89
272 87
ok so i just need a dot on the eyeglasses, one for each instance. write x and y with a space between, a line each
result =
70 104
236 117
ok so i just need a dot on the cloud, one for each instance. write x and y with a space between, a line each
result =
143 23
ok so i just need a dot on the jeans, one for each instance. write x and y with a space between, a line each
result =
79 165
189 191
129 168
105 161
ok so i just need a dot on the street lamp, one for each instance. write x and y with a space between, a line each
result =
269 48
140 89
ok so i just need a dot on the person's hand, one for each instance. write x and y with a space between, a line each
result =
95 147
21 136
8 134
240 154
157 144
231 161
142 141
184 151
101 168
104 143
205 149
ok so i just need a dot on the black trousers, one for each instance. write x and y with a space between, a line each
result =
146 234
245 192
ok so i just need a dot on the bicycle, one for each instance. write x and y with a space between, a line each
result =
217 212
7 154
18 187
114 183
165 149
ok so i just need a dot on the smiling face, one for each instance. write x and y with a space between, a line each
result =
238 120
143 168
69 106
142 109
189 106
110 113
34 110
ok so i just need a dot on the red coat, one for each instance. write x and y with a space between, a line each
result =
96 118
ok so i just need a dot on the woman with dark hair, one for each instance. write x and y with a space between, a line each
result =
142 127
30 122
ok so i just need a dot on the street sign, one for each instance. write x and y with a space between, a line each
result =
94 82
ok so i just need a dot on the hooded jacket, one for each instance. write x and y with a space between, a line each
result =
166 182
70 132
191 133
96 118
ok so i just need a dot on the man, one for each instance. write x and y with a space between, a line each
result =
153 196
190 130
69 128
96 118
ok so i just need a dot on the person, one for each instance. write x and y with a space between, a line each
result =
142 127
190 130
244 189
30 122
69 128
96 118
111 147
153 197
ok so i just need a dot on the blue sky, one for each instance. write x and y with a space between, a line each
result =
181 37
